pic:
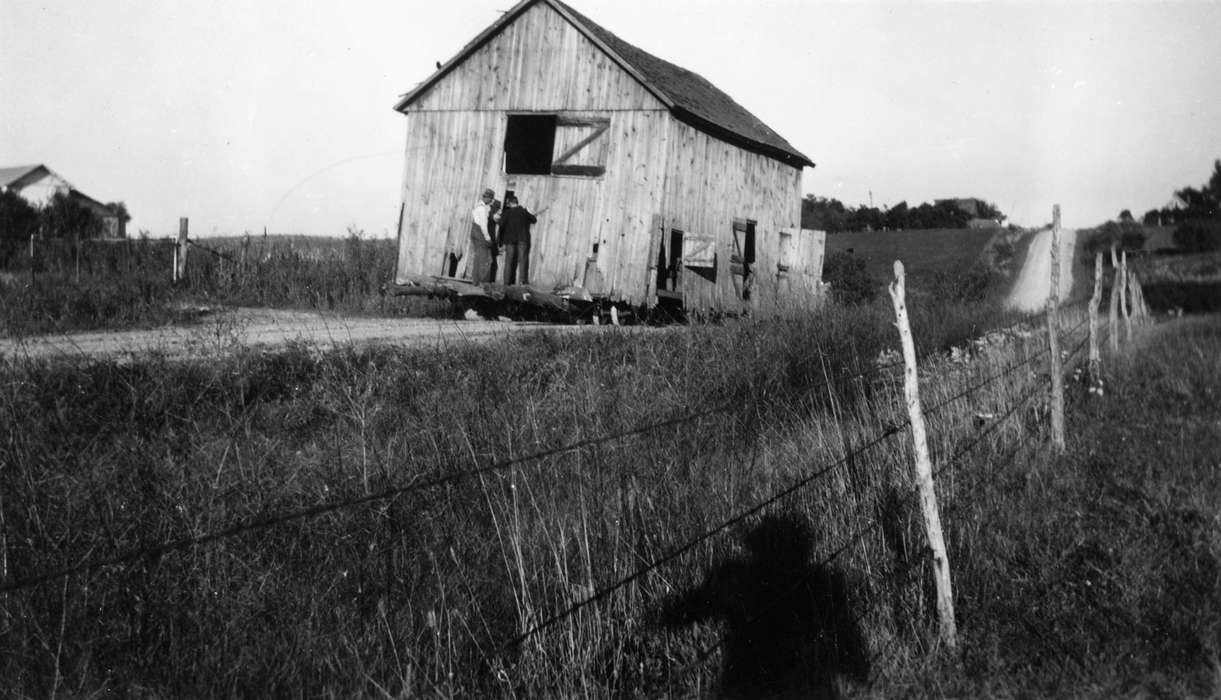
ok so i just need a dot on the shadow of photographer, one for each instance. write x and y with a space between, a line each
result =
789 629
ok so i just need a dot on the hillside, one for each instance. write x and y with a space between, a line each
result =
927 252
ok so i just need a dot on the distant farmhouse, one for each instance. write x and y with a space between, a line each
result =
657 186
975 207
37 184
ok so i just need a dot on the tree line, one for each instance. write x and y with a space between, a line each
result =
1195 213
1190 204
831 215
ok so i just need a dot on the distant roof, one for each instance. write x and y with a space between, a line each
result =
12 174
690 97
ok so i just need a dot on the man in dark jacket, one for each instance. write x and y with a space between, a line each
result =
515 223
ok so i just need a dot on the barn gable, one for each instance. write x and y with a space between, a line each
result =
36 183
688 96
566 71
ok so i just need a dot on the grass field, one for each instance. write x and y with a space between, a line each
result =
1098 573
922 252
414 594
1093 574
420 593
128 284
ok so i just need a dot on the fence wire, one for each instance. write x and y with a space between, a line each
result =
801 483
269 521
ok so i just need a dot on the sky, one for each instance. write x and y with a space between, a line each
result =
279 114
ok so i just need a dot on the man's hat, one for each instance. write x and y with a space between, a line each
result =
489 192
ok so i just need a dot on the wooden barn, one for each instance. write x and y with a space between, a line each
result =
654 185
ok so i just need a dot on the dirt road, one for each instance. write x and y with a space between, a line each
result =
228 330
1033 285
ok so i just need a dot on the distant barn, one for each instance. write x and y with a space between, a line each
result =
38 184
657 185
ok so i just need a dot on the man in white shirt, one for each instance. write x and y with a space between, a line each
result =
483 239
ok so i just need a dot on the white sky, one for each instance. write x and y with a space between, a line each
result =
276 113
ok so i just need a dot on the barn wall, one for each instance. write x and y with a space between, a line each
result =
39 190
538 62
709 184
454 148
449 160
452 156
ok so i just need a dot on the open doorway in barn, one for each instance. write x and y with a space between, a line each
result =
669 269
742 260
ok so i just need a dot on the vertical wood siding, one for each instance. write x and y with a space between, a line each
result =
539 62
455 145
709 184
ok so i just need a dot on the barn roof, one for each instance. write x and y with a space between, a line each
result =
11 175
690 97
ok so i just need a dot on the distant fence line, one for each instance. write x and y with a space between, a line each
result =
346 274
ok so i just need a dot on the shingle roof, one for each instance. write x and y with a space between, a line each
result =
10 175
690 97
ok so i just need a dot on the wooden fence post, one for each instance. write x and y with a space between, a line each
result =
1114 317
1140 300
1095 366
1124 306
180 257
1136 297
1053 338
924 465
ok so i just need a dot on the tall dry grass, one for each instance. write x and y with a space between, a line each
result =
421 593
84 285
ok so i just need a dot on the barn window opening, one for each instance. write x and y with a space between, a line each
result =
529 144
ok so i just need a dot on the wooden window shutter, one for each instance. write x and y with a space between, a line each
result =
581 146
699 250
789 256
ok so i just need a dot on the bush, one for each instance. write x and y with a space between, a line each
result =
974 285
18 220
1198 236
850 281
1129 236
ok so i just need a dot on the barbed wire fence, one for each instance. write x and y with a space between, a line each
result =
863 525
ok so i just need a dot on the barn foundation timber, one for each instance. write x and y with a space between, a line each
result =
493 300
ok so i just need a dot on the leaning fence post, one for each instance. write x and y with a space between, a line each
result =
1115 292
1142 310
924 465
1053 337
180 259
1124 306
1095 366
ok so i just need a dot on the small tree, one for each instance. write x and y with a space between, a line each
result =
120 210
850 281
18 221
64 217
1126 236
988 210
1198 236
